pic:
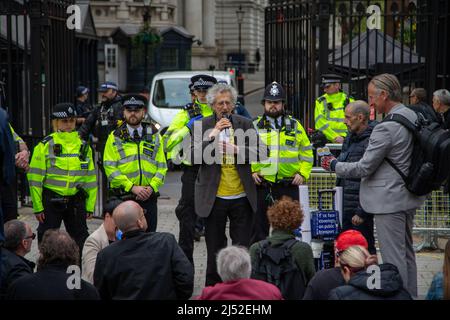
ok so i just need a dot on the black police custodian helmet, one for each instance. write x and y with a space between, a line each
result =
63 111
330 78
203 81
134 102
274 92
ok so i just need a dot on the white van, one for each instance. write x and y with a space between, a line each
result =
169 93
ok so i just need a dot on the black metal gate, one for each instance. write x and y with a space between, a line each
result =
307 38
36 62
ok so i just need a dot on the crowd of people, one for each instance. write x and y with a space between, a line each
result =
253 186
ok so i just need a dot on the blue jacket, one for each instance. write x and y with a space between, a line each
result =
242 111
352 151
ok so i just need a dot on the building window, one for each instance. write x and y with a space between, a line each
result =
169 59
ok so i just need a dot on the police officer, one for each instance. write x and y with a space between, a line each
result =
134 159
290 159
82 107
62 178
329 113
178 130
105 117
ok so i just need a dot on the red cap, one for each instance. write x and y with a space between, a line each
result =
350 238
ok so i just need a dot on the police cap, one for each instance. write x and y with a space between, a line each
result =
63 111
81 91
108 85
274 92
203 81
134 102
330 78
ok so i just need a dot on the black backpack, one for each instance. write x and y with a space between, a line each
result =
276 265
430 162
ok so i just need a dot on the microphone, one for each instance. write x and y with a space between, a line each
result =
227 130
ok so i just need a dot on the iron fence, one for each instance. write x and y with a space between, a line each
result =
305 39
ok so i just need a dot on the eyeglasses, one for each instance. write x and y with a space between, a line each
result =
32 237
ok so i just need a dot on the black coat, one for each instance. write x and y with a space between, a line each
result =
352 151
112 111
13 267
391 286
50 283
144 266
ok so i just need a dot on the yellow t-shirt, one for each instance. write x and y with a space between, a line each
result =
230 182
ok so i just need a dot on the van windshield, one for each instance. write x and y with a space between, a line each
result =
171 93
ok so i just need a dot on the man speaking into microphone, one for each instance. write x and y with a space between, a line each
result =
224 187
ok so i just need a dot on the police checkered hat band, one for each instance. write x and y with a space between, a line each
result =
331 78
203 83
133 102
64 111
108 85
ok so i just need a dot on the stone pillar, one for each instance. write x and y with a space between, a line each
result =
209 23
193 18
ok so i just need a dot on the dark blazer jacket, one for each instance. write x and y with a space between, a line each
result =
250 149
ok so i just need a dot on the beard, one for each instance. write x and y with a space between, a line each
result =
273 113
133 120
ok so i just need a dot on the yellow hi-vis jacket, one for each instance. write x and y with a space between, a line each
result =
129 163
329 114
59 164
290 150
178 129
16 137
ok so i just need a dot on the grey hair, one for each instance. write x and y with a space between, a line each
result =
420 93
443 95
390 84
360 107
233 263
220 88
15 232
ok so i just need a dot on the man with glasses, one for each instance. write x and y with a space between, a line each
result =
134 159
329 113
18 240
417 103
179 130
142 266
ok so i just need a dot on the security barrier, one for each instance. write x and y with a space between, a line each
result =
431 220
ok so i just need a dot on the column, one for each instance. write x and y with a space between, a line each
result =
193 18
209 23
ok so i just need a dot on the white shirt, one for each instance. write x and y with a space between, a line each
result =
131 130
272 121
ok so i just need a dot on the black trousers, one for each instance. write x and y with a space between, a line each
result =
73 213
9 201
260 224
240 214
151 205
185 211
366 228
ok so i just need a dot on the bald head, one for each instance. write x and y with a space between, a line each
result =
128 217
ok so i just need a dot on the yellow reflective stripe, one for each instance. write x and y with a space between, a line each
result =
119 147
110 163
33 183
37 171
55 183
288 160
340 130
319 117
307 148
114 175
159 176
336 119
288 148
307 159
62 172
89 185
324 127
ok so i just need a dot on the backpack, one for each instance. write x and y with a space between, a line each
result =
276 265
430 164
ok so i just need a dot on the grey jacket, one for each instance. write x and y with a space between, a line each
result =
382 189
208 177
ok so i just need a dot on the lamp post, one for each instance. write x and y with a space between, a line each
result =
240 80
147 22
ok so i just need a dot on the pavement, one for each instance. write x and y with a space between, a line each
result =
428 263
